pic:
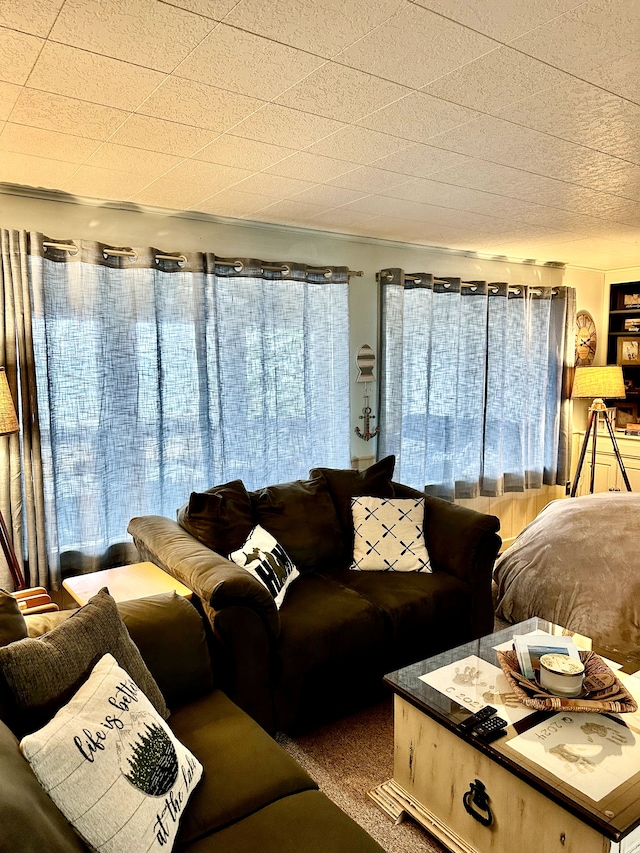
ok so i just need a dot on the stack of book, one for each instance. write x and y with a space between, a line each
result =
632 429
531 647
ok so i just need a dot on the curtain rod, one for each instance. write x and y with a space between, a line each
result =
238 266
416 279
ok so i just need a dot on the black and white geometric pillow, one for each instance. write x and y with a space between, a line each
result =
389 535
264 557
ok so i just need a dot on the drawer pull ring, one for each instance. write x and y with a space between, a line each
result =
475 799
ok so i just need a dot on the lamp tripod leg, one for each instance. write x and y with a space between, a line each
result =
583 452
612 436
10 556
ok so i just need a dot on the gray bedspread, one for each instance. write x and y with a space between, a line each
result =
578 564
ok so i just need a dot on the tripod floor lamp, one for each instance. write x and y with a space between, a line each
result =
8 425
597 383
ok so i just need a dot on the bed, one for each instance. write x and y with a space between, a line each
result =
578 564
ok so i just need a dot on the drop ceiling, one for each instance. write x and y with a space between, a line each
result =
504 127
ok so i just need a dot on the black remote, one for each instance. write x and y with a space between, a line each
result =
474 720
490 729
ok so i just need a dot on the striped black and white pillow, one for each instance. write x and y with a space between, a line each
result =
389 535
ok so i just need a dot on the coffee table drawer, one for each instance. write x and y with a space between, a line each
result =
435 768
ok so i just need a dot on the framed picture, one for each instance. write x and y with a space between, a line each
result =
632 325
626 413
628 350
631 300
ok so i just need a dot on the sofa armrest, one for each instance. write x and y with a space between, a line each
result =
465 543
217 581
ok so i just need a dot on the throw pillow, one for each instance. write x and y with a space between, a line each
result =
268 562
42 673
302 517
12 624
345 484
389 535
112 765
221 518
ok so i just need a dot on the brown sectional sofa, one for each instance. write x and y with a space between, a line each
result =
338 631
253 795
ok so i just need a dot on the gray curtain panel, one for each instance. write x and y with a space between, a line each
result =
160 374
471 383
21 482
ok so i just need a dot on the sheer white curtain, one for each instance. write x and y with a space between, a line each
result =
472 379
158 376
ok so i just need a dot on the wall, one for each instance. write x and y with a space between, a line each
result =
65 219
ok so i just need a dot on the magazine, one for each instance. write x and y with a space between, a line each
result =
531 647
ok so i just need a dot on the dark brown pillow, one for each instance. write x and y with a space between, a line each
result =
302 517
12 624
41 674
347 483
221 518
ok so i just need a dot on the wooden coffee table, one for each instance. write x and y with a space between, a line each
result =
556 783
124 583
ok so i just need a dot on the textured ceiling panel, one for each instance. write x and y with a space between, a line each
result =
504 126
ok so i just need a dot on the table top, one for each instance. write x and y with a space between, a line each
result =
125 583
575 746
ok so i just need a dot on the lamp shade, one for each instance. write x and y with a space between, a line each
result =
591 382
8 418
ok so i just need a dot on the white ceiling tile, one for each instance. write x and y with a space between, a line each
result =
587 36
290 211
18 53
212 177
198 104
358 145
216 9
8 96
323 27
284 126
34 171
174 195
418 117
79 74
93 182
341 93
619 75
501 77
368 179
422 161
402 49
329 196
245 63
147 32
35 140
137 160
165 136
501 20
275 186
29 16
245 153
310 167
66 115
340 219
234 203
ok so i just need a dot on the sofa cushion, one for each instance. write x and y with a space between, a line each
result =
31 823
220 518
182 670
344 484
267 561
389 535
423 613
12 624
302 517
305 823
245 769
41 675
112 765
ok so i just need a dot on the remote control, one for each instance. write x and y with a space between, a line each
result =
490 729
475 719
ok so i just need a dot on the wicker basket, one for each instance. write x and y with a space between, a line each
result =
622 703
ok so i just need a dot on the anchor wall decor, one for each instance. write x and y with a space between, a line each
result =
365 360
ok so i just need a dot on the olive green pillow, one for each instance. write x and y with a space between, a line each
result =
40 675
12 624
221 518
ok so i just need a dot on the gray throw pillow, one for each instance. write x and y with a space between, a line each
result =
12 624
41 674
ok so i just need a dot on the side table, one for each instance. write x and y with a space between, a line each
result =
138 580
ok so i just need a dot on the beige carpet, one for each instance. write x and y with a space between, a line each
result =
348 758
